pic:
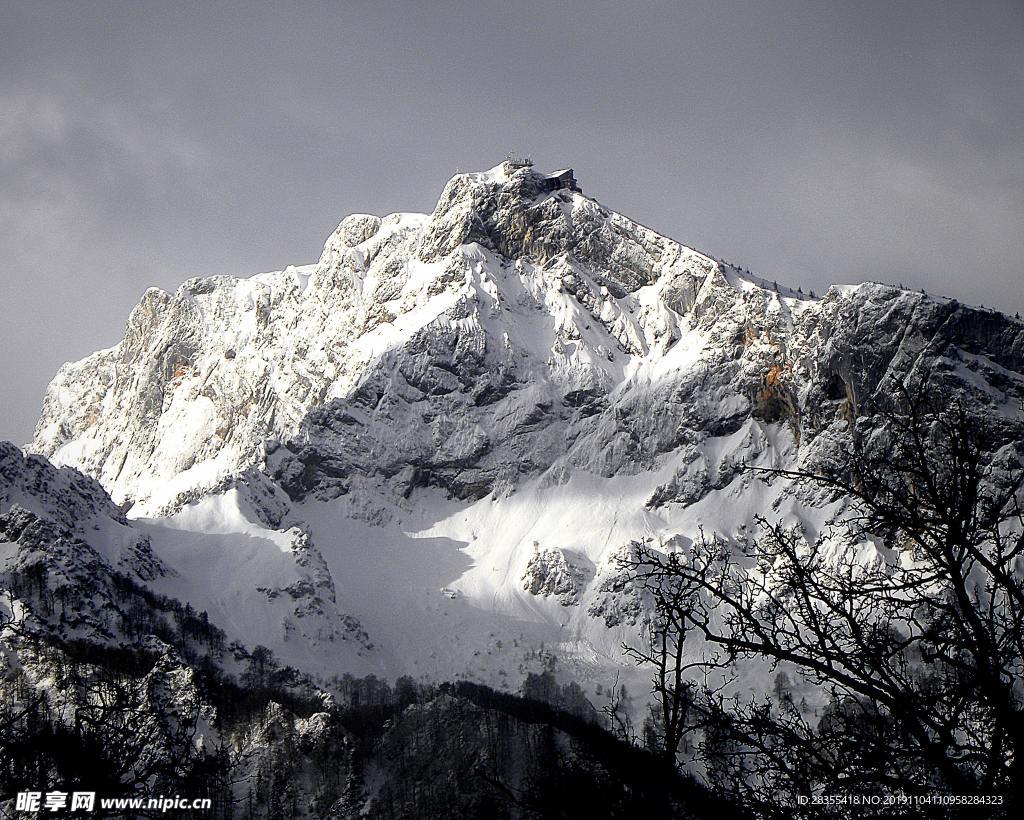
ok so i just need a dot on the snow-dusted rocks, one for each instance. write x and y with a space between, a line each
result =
551 572
38 495
616 598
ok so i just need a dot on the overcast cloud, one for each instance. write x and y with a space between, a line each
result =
813 142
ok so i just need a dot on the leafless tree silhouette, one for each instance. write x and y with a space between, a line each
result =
903 621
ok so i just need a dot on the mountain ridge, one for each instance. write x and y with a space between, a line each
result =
500 395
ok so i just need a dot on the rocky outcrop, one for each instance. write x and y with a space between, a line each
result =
550 572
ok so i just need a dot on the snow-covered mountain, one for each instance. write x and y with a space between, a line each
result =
424 453
425 456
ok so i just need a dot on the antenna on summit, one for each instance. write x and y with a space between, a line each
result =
517 161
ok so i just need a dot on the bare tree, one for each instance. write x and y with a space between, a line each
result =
617 714
661 576
905 619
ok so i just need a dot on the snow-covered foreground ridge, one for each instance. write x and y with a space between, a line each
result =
424 453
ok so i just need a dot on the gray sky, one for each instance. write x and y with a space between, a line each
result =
143 143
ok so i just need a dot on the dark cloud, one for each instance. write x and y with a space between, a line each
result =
141 144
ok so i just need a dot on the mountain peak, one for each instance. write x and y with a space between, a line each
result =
475 411
517 292
515 282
